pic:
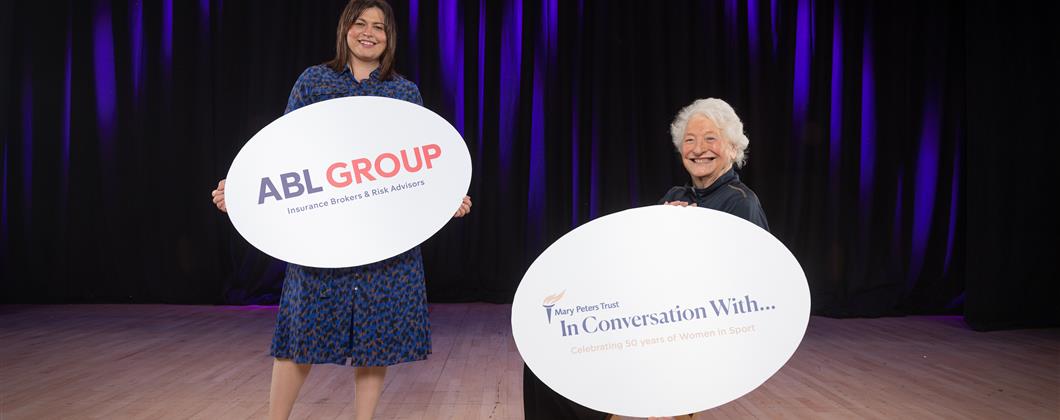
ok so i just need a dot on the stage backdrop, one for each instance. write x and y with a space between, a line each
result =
120 116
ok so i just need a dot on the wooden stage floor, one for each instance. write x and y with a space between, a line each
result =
211 362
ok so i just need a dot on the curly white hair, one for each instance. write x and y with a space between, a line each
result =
722 114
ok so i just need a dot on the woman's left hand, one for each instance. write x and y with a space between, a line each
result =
465 207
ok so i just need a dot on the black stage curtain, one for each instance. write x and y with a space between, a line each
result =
119 117
1012 90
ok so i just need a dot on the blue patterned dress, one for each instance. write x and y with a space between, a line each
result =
373 315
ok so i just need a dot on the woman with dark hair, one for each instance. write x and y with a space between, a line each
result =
375 315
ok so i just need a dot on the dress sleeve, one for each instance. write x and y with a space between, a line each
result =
300 92
414 95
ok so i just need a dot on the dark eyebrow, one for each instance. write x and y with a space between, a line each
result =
360 19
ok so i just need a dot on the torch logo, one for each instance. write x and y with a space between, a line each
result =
549 302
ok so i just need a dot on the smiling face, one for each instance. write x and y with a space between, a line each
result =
367 36
706 154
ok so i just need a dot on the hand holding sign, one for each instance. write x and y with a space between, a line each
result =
465 207
219 196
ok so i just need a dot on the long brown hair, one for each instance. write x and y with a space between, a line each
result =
349 15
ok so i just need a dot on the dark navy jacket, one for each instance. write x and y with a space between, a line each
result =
727 194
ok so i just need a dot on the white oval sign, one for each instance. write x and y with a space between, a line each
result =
347 181
660 311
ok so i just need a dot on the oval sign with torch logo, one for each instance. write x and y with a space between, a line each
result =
348 181
660 311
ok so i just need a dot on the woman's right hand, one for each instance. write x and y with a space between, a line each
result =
219 197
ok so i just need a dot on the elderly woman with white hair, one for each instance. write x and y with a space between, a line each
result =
709 137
